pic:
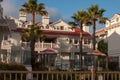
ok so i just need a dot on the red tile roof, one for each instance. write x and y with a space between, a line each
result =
76 32
52 32
100 31
19 30
38 23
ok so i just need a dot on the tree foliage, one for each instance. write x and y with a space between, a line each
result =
95 14
38 35
33 8
81 17
103 46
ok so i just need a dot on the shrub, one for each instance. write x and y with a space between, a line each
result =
12 67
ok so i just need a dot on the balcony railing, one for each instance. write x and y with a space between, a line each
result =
40 45
55 75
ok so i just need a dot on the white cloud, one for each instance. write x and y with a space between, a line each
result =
10 8
53 13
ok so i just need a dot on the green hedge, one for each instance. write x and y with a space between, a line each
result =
13 67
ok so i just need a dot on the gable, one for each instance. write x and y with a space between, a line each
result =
115 18
61 25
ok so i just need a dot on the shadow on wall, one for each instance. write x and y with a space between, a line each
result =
114 44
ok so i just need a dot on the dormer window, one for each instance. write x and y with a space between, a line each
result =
117 19
57 28
61 27
107 23
47 27
66 28
112 21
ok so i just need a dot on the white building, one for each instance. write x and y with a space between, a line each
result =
4 29
61 42
113 35
111 32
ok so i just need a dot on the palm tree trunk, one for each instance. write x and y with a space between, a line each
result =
32 41
80 46
93 35
94 44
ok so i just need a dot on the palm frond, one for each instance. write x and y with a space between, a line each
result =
73 24
103 20
81 17
41 9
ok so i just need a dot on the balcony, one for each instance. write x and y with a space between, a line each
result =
5 44
39 45
42 45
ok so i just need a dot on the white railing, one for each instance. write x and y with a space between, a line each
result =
85 46
59 75
5 44
44 75
40 45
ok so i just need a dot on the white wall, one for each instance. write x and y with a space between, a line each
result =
60 23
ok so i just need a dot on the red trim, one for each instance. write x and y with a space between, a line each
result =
48 51
97 53
99 31
75 32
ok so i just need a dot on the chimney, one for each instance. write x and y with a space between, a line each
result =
22 16
45 20
85 28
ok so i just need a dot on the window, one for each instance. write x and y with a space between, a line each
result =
70 41
86 41
47 27
5 37
66 28
29 26
76 41
117 19
61 27
57 28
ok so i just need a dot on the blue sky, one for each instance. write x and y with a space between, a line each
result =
64 8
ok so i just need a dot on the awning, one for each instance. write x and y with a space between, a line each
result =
96 53
49 51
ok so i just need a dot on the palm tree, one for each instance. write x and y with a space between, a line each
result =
37 34
95 14
38 37
73 24
81 17
33 8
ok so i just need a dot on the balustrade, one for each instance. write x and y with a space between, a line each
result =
40 45
58 75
